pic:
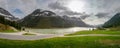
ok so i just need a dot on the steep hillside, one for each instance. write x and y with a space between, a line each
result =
7 19
9 22
113 22
4 27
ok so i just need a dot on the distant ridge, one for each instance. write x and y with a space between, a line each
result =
48 19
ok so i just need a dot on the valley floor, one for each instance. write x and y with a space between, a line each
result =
37 36
82 39
65 42
20 36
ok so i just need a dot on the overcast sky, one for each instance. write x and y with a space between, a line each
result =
90 11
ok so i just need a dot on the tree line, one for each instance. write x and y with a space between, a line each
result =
10 23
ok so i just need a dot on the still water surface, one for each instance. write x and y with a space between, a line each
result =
59 30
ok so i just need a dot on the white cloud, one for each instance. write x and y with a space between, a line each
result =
93 20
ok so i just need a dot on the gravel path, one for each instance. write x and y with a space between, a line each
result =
19 36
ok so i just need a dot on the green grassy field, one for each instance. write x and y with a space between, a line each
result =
96 32
64 42
8 31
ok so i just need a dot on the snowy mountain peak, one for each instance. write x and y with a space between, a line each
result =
39 12
7 15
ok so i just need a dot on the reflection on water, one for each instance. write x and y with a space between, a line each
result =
58 31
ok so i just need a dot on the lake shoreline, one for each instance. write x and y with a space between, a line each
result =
57 30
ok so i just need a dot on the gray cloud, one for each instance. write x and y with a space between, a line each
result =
117 9
68 12
101 8
101 15
84 16
57 5
61 9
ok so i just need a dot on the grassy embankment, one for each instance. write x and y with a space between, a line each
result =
8 31
6 28
65 42
108 32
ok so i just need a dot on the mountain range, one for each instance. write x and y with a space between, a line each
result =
7 19
48 19
7 15
41 19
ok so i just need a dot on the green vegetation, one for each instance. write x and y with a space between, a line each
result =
6 28
113 22
115 28
69 42
10 23
28 34
64 42
8 31
111 32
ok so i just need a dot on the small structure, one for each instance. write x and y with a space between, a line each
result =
23 29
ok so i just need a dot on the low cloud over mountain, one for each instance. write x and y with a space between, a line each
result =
94 8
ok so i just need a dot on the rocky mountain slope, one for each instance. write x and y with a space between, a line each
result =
48 19
7 19
7 15
113 22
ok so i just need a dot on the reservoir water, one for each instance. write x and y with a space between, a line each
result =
58 30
